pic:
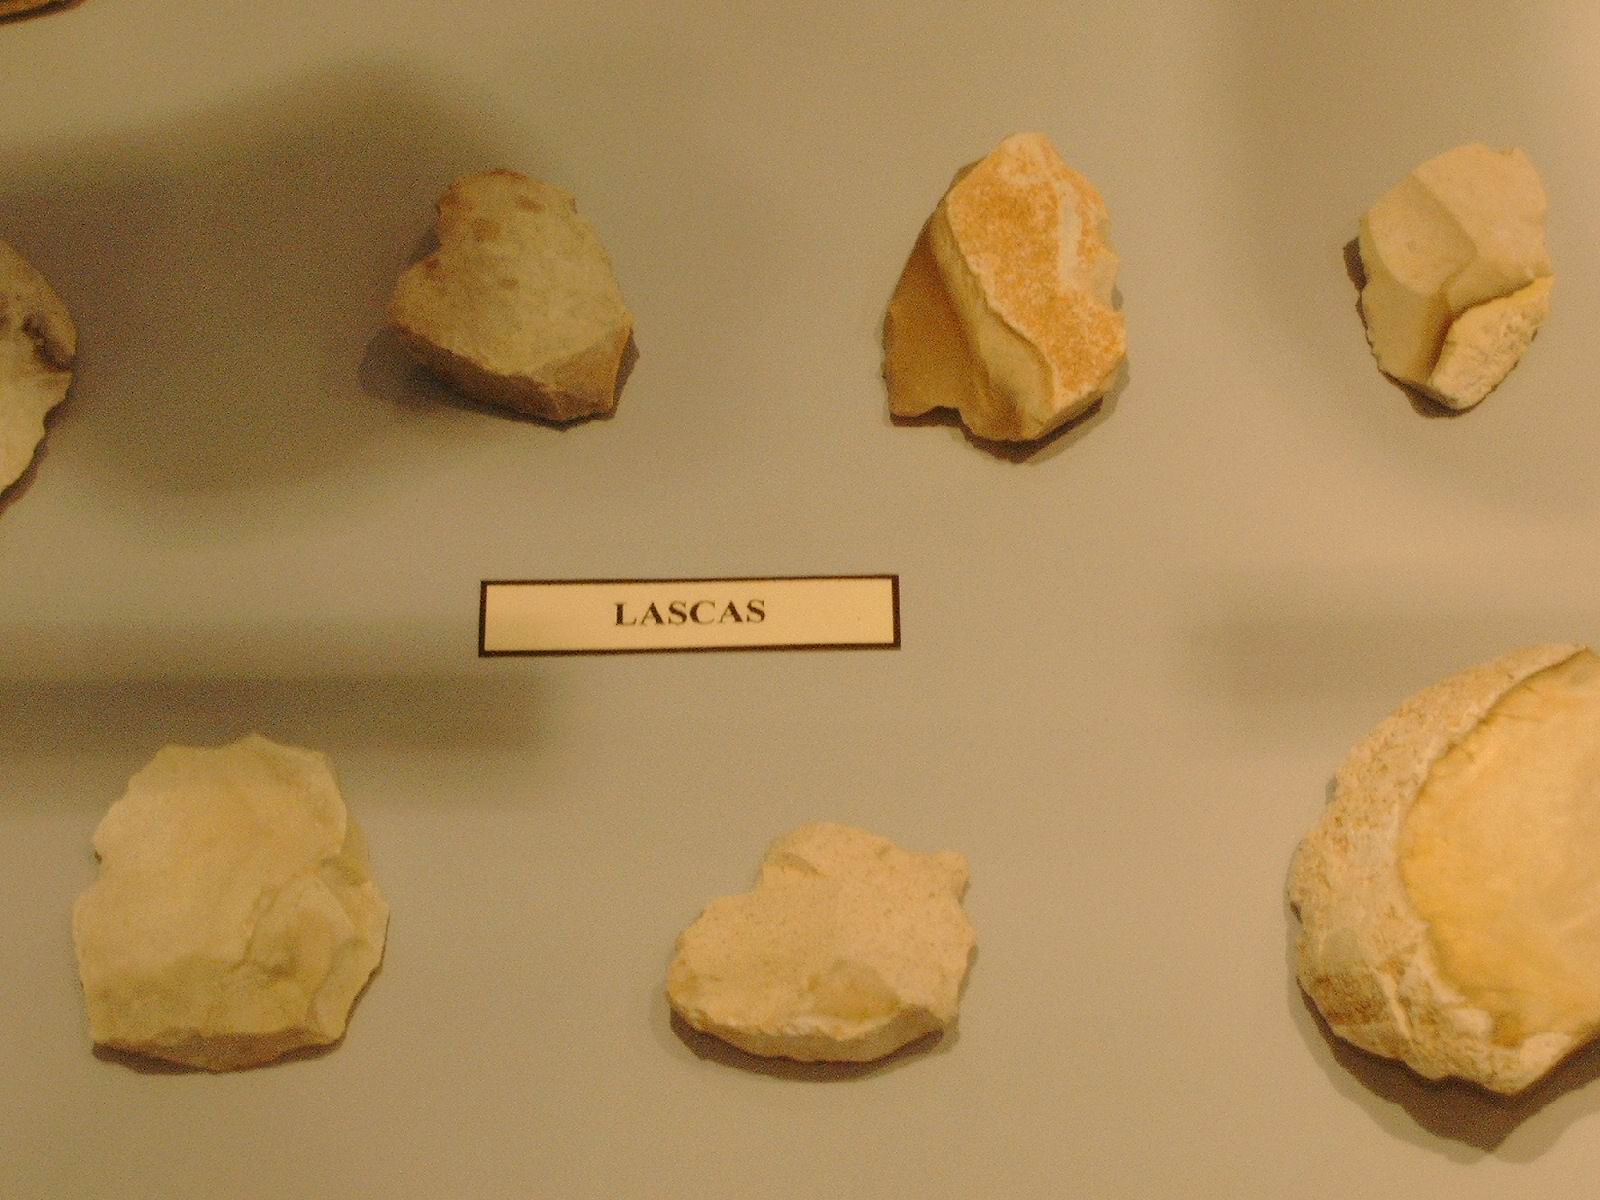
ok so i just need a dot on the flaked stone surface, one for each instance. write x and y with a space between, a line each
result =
518 306
1457 274
847 949
1005 311
234 918
1449 894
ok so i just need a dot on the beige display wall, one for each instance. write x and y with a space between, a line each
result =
1130 660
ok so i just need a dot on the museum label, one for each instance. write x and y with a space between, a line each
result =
653 616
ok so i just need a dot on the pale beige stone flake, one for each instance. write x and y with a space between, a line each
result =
1457 273
847 949
234 918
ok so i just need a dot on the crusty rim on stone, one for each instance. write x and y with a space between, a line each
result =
1363 954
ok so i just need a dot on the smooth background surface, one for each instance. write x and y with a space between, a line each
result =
1131 660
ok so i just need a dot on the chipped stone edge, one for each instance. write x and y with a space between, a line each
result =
804 1040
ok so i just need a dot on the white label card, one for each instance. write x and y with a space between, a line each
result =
643 616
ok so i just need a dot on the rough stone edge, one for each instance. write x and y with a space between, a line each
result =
1363 954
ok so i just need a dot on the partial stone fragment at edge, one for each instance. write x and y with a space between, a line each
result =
38 344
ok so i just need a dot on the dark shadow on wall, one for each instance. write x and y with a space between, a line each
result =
1284 656
228 268
1310 153
128 720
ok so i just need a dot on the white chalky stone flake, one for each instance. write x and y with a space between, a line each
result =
847 949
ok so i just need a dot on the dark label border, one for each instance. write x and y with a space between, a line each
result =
483 613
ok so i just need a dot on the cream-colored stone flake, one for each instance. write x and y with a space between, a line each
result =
234 918
1458 277
847 949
